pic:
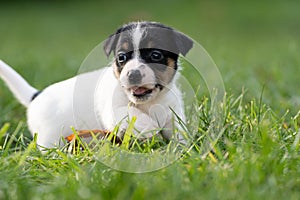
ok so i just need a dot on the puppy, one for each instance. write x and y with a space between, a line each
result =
138 84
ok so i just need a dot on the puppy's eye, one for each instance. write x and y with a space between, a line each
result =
156 56
122 57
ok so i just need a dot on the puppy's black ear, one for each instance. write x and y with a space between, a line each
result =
110 44
184 43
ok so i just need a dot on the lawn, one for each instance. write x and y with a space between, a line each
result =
256 46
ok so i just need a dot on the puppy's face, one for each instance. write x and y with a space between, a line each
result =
146 56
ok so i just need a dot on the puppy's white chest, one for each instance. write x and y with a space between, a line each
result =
110 101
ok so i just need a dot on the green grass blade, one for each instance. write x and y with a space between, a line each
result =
4 130
128 134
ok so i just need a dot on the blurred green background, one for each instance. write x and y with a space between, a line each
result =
255 44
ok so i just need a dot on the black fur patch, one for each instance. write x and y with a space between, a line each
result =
35 95
158 65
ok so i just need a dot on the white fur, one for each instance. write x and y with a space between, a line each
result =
136 37
64 105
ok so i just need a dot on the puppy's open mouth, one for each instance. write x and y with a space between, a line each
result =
141 91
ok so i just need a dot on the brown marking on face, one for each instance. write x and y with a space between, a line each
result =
116 71
125 46
171 63
166 76
150 44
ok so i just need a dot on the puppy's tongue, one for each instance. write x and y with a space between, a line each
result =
139 90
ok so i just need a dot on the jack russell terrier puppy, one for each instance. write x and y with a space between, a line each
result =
140 83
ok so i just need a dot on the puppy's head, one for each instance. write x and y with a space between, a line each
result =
146 55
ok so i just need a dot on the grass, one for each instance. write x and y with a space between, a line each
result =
256 47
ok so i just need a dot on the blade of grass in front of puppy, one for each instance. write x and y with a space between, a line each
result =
31 147
74 142
105 150
179 120
7 144
4 130
112 136
128 133
78 143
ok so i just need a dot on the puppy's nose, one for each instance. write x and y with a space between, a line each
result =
134 76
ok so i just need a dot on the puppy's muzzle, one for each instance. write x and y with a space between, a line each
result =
134 77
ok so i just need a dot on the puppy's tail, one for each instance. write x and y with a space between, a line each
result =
17 84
